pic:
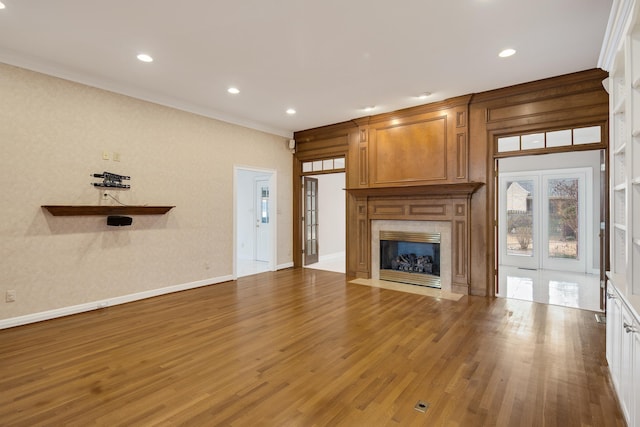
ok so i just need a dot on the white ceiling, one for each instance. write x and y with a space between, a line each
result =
328 59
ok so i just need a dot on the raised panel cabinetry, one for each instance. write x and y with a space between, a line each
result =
623 354
635 382
620 56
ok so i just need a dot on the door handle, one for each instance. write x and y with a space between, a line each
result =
630 329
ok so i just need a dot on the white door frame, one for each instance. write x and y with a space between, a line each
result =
273 209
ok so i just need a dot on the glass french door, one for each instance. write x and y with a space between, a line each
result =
519 222
564 222
543 219
310 188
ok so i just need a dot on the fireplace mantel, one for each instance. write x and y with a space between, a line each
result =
452 190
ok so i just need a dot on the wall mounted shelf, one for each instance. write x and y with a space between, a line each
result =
81 210
454 189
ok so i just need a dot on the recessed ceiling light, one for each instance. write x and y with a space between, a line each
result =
144 57
369 108
233 90
291 111
424 95
506 53
2 6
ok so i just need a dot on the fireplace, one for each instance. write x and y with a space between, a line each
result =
412 258
412 233
442 208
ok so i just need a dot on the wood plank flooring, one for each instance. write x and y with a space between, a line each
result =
303 347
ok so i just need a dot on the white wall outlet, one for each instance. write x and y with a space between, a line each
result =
116 156
10 295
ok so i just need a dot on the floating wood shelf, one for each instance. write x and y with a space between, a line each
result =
80 210
452 190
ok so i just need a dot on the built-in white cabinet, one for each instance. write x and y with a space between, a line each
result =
623 354
614 334
635 395
620 56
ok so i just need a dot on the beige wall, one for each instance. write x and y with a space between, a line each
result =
52 135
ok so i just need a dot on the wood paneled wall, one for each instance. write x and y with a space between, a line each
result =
439 146
416 146
563 102
322 143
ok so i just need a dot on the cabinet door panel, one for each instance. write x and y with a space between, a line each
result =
611 320
635 404
614 336
626 371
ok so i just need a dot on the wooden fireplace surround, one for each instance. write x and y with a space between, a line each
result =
448 202
407 165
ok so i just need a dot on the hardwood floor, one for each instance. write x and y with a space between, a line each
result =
303 347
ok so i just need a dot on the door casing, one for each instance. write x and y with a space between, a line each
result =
272 175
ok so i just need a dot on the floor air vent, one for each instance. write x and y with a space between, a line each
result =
421 406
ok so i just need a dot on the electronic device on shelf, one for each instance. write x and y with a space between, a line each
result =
110 180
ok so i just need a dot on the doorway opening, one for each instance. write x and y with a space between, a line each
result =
548 226
324 223
254 221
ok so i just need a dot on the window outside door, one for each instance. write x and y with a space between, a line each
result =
543 219
263 222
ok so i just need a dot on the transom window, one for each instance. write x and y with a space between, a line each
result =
551 139
336 163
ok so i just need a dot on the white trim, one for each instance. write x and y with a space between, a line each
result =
95 305
617 28
331 257
285 265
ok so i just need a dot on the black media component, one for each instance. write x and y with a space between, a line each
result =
119 221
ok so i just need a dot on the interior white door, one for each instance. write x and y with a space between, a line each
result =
263 222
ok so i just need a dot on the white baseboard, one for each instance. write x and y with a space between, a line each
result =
94 305
331 257
285 265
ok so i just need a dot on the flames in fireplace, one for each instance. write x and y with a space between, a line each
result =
412 258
